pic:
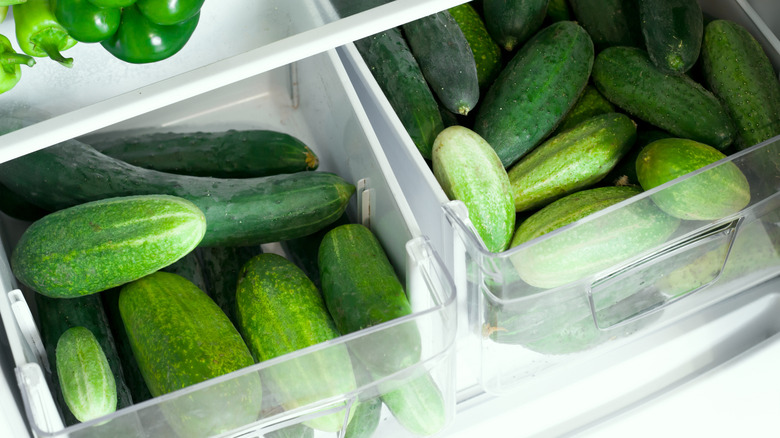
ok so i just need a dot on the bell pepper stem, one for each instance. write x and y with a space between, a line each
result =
52 51
11 59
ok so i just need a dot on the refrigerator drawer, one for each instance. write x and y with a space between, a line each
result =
311 99
530 313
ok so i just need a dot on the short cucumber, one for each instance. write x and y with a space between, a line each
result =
571 161
469 170
417 404
672 31
487 53
609 22
221 268
445 59
280 311
535 90
674 103
590 103
512 22
98 245
398 74
88 385
712 194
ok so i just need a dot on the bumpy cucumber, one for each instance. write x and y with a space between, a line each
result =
445 60
469 170
535 90
712 194
487 54
674 103
590 103
572 160
221 269
98 245
672 31
398 74
512 22
609 22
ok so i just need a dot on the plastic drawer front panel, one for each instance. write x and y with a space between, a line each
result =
311 99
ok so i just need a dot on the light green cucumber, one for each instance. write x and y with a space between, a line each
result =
417 404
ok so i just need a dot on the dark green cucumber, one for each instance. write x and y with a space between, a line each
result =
417 404
280 311
487 53
609 22
86 379
672 31
535 90
559 10
102 244
739 72
512 22
398 74
221 268
19 208
675 103
292 205
712 194
590 103
190 267
227 154
180 337
57 315
305 250
445 59
571 161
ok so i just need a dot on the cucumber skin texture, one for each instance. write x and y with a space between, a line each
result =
280 311
418 405
361 289
672 31
180 337
536 89
398 74
365 420
740 74
88 385
674 103
609 22
590 103
445 59
590 247
571 161
221 269
102 244
293 205
227 154
712 194
487 53
512 22
469 170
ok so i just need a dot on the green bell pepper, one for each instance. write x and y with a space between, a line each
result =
169 12
39 33
86 22
10 65
139 40
112 3
11 2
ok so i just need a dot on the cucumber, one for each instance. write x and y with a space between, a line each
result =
88 385
280 311
221 268
365 420
418 405
712 194
512 22
588 248
609 22
190 267
739 72
17 207
571 161
180 337
486 52
398 74
226 154
536 89
590 103
305 250
469 170
624 173
445 59
293 205
98 245
672 31
559 10
674 103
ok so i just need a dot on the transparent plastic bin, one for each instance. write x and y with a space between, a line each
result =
520 329
311 99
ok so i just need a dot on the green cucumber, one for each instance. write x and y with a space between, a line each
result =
672 31
535 90
624 172
512 22
180 337
98 245
190 267
365 420
292 205
588 248
280 311
487 53
559 10
87 382
305 250
417 404
712 194
590 103
609 22
469 170
221 269
739 72
675 103
445 59
226 154
571 161
398 74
